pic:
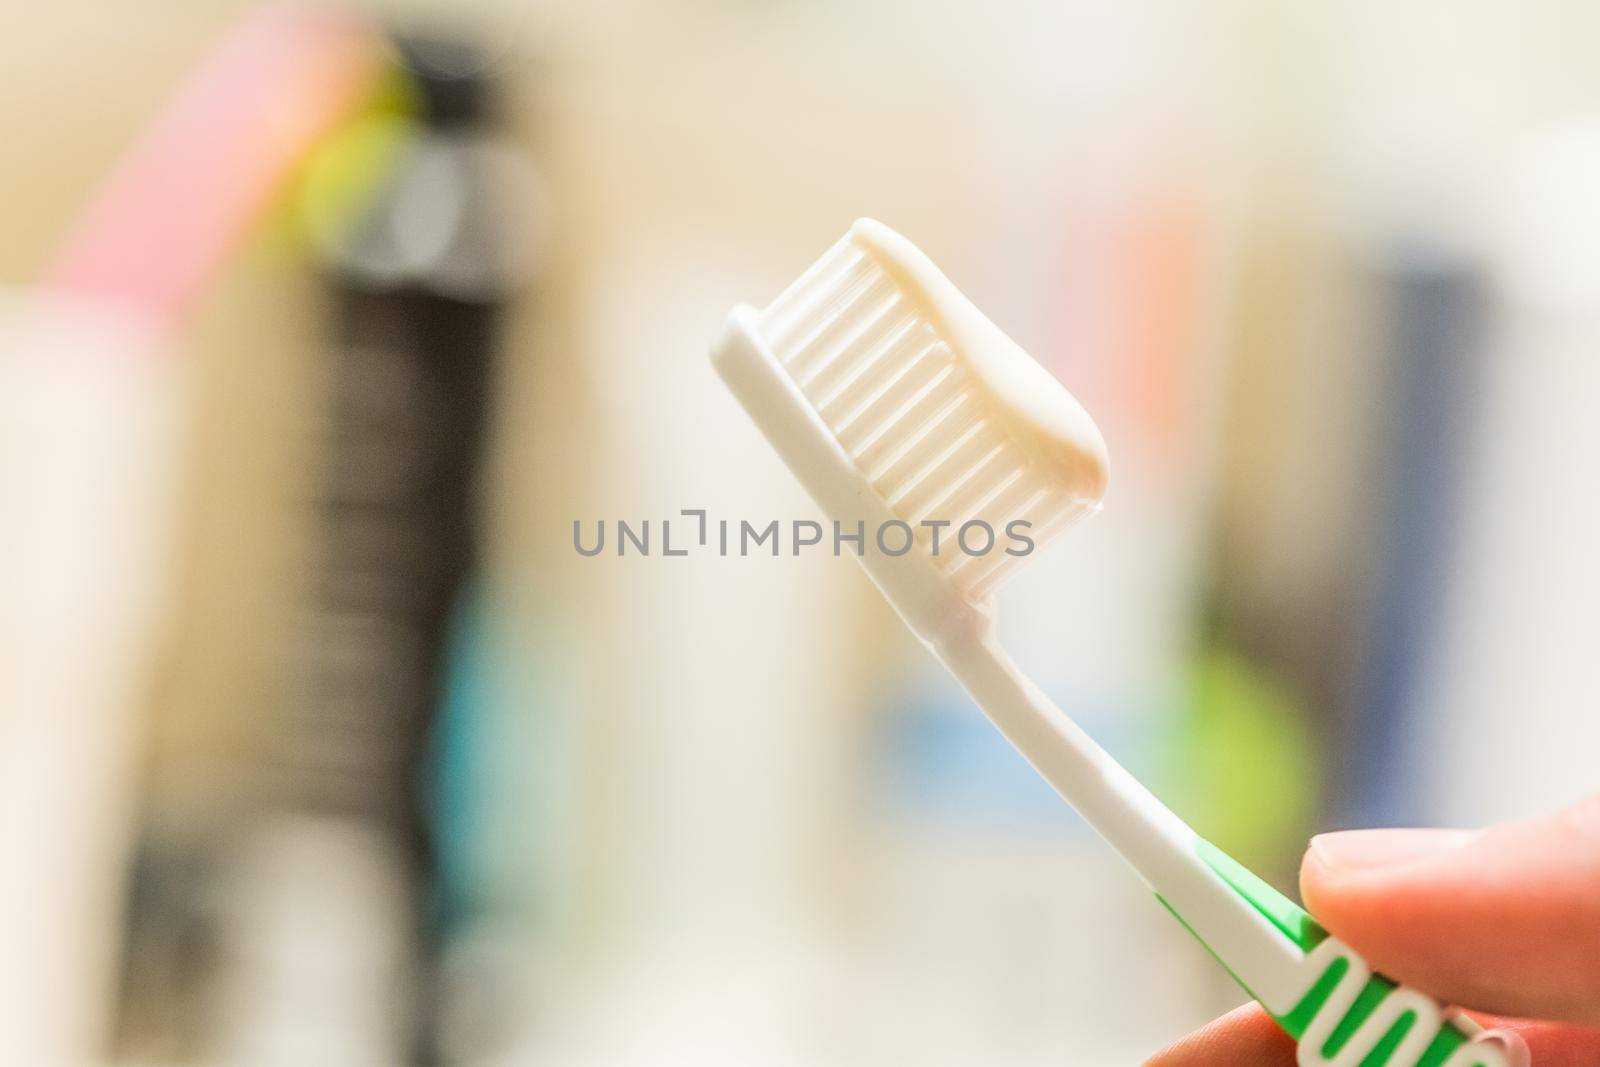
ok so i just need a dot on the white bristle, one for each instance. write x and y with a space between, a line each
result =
927 383
875 370
910 416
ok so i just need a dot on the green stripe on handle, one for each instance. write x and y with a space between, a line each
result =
1300 928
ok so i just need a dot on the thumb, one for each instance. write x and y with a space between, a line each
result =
1504 920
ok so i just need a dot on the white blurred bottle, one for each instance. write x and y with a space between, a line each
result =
1512 689
89 419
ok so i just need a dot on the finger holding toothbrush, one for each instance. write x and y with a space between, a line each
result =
1505 921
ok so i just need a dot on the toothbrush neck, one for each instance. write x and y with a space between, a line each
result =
1110 799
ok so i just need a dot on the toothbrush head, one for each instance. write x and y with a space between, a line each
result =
903 409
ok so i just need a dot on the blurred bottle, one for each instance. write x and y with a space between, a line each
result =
335 940
1510 687
90 433
93 413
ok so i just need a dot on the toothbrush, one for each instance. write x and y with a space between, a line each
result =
897 403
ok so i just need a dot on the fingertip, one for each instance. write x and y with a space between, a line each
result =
1546 1044
1353 852
1361 868
1245 1037
1500 920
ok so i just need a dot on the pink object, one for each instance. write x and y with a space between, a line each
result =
178 199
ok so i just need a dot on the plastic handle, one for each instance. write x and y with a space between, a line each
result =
1343 1014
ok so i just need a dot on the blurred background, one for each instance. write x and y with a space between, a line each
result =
320 742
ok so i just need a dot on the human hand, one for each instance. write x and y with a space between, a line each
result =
1504 921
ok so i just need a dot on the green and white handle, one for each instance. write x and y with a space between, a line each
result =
1318 989
1330 1000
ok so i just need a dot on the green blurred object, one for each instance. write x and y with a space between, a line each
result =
1248 764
